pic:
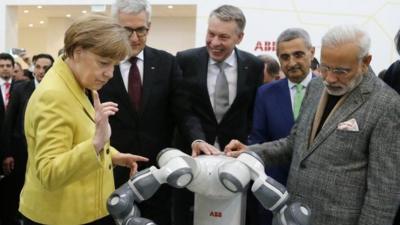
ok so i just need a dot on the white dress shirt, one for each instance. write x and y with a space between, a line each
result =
292 87
125 65
230 73
3 88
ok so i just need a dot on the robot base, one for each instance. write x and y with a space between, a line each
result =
211 211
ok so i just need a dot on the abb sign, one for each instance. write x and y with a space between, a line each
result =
216 214
265 46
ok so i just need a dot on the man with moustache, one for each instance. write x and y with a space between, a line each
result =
278 104
344 145
221 83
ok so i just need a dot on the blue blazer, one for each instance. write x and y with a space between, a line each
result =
273 119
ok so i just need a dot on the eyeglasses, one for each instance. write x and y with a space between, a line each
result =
140 31
337 71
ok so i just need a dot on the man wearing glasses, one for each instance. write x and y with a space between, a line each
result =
144 87
344 147
277 104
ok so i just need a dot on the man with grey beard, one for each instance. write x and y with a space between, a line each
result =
344 146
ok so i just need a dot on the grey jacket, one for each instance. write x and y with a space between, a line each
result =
346 177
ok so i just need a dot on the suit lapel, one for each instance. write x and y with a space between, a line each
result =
285 102
242 73
3 107
149 74
242 70
346 107
117 84
203 71
72 84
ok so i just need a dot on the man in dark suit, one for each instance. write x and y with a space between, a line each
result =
277 103
221 83
6 69
14 143
145 87
344 147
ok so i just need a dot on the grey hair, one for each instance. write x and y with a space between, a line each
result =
229 13
132 7
294 33
344 34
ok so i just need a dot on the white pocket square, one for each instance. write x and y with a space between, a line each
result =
349 125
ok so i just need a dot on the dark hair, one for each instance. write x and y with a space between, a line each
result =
273 67
397 41
42 55
314 64
6 56
382 74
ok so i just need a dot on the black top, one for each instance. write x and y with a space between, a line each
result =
330 104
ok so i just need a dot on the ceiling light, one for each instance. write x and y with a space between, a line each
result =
39 6
170 7
26 11
84 11
41 22
30 25
68 15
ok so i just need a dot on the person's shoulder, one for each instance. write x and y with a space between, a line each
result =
272 87
22 84
316 82
191 52
247 55
158 52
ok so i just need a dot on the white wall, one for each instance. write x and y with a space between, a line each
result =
266 19
172 34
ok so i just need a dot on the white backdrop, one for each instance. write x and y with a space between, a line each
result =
267 18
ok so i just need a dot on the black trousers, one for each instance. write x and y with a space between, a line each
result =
108 220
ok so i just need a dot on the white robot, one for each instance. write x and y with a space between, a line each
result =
219 183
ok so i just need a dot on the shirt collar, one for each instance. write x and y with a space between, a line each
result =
230 60
2 81
139 56
304 82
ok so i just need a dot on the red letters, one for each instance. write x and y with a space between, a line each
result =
216 214
266 46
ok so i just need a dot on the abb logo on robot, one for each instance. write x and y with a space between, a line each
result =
216 214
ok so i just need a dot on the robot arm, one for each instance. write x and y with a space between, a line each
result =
174 170
271 194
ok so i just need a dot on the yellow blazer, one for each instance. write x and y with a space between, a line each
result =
66 181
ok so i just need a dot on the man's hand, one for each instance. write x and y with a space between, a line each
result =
103 129
8 165
202 146
128 160
235 148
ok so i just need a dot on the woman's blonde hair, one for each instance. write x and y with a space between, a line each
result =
99 34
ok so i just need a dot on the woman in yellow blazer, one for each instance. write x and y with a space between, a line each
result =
69 173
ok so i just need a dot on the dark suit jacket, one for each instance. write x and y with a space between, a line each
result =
236 122
14 137
392 76
2 119
273 119
147 131
346 177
